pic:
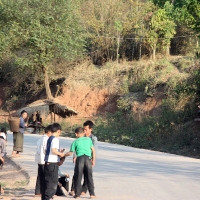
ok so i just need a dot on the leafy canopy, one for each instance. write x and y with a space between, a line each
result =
36 32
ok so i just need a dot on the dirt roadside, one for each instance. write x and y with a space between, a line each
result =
13 180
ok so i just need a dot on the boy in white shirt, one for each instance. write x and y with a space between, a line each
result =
39 159
51 160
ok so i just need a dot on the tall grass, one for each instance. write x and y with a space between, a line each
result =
173 130
166 132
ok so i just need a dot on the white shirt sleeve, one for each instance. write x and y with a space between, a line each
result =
55 143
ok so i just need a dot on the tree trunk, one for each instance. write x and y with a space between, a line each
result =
167 50
133 51
140 51
118 43
46 83
154 53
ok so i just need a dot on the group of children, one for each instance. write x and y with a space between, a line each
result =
49 157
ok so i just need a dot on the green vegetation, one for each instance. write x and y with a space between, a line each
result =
4 124
35 33
3 184
21 184
173 128
124 46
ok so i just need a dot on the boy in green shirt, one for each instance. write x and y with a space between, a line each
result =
85 152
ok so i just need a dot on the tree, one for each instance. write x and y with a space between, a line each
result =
162 28
107 23
185 11
34 33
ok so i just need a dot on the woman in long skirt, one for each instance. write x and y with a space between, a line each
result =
18 137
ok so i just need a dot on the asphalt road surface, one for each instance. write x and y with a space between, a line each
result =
126 173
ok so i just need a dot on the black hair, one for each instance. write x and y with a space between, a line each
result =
88 123
79 130
23 111
4 131
48 128
55 127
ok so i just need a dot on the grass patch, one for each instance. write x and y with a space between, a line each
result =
21 184
3 184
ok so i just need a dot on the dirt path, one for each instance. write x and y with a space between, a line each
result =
13 180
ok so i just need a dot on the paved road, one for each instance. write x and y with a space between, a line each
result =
127 173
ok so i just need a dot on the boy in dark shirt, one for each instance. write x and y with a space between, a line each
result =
83 146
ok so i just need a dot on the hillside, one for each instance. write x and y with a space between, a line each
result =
146 104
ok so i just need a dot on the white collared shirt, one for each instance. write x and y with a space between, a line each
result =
40 151
51 157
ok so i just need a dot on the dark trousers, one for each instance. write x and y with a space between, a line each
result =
50 180
64 183
84 186
83 165
72 186
40 180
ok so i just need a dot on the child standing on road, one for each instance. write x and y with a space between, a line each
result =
39 159
85 152
51 163
88 130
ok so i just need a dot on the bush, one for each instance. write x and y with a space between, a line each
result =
164 133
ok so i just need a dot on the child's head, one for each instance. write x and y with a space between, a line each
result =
3 134
61 161
56 129
79 132
47 130
88 127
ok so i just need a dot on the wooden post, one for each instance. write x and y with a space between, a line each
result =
70 115
51 114
54 113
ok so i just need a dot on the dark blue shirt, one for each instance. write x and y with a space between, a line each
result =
22 125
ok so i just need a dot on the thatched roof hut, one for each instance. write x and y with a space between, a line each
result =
46 107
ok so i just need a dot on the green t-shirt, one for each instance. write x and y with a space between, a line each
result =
82 146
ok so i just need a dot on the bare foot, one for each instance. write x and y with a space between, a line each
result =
15 156
92 197
83 193
37 195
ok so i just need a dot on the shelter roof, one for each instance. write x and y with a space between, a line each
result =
47 106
